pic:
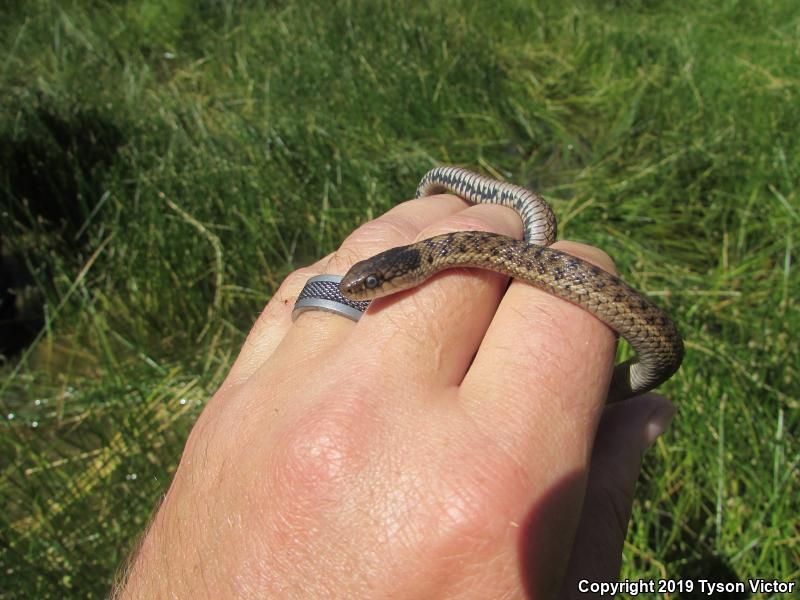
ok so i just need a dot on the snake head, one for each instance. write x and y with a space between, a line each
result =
381 275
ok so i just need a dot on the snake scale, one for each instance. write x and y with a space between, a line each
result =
650 332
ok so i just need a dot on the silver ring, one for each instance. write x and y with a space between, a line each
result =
321 292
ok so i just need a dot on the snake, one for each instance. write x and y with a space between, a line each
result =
651 333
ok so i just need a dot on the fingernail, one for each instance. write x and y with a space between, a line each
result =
657 422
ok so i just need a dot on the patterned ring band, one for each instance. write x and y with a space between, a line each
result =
322 293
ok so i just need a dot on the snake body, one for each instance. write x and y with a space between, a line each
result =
650 332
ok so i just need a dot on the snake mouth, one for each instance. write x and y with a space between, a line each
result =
353 288
366 284
363 282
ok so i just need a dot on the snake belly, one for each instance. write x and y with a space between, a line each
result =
648 329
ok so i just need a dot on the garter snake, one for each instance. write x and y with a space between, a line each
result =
649 330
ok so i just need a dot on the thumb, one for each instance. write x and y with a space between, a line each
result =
625 431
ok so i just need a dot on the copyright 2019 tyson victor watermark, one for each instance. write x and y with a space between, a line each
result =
700 587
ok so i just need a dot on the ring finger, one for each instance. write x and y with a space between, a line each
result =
317 330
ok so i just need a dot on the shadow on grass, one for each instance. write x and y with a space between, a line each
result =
693 559
713 569
52 175
547 536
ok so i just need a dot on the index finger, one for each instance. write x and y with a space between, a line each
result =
397 226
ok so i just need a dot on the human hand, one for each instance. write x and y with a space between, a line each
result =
439 448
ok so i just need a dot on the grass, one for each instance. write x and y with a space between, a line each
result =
165 164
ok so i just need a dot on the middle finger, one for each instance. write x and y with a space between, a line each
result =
432 331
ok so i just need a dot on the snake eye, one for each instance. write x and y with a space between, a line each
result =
371 282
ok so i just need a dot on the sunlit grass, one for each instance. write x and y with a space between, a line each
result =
166 164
